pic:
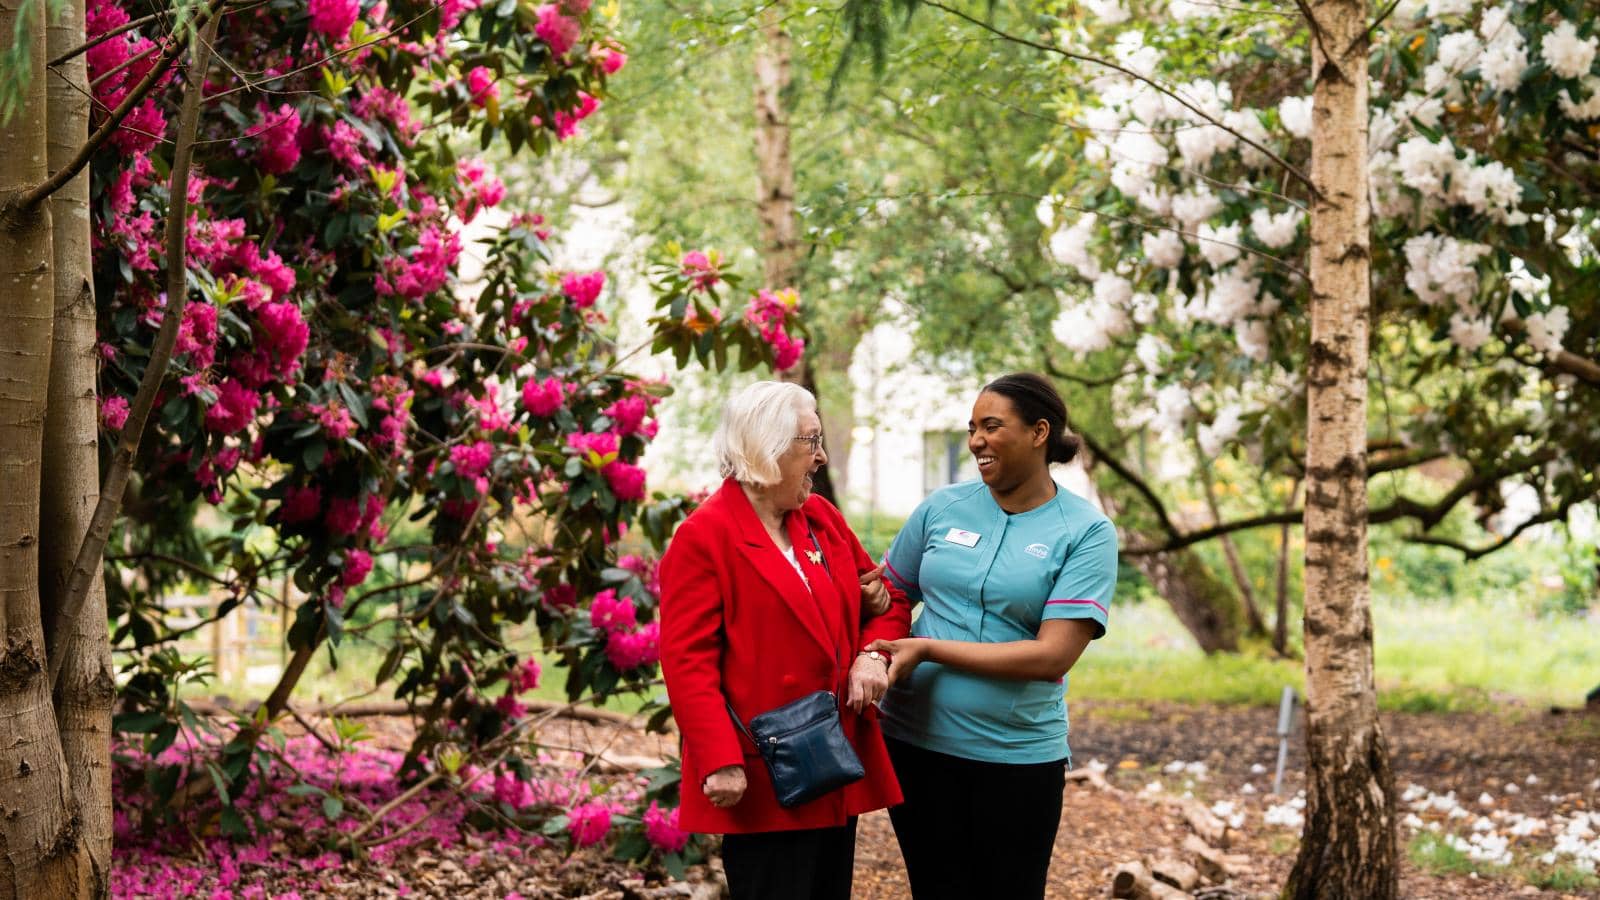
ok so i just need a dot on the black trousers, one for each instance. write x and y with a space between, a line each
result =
975 829
810 864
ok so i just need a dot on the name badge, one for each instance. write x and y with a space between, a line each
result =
963 538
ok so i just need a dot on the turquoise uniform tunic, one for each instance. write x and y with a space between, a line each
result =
983 574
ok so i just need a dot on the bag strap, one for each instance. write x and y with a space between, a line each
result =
745 731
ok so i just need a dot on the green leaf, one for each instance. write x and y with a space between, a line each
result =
332 807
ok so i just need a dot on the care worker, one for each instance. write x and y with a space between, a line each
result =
1014 573
763 591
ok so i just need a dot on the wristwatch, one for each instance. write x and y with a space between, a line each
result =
874 654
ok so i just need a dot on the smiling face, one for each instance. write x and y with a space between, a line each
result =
797 465
1008 450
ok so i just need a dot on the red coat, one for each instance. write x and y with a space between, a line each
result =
738 623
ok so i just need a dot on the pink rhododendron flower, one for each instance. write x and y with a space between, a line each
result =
197 334
556 29
583 290
786 351
357 564
235 407
561 597
300 504
567 119
627 415
343 516
512 791
142 130
426 271
283 334
510 707
703 267
588 823
270 270
661 829
543 398
632 649
625 479
481 86
333 18
610 57
451 12
594 448
114 412
346 145
525 677
608 612
472 460
277 140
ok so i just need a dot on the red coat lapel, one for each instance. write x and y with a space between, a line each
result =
769 562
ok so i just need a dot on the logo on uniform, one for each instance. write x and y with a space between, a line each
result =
1038 550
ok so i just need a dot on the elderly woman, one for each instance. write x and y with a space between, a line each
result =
767 597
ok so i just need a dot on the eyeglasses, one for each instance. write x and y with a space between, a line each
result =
814 440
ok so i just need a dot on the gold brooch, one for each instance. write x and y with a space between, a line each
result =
815 556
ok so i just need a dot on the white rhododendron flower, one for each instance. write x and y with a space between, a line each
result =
1075 328
1492 189
1196 206
1275 231
1144 307
1164 249
1045 212
1469 333
1224 427
1459 51
1438 8
1219 245
1199 145
1132 179
1103 124
1295 114
1109 12
1441 269
1070 247
1184 10
1156 200
1565 54
1423 165
1173 408
1151 350
1252 337
1581 111
1247 123
1233 296
1546 331
1112 290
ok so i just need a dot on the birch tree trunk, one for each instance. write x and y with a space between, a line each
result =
40 856
780 229
70 478
1348 847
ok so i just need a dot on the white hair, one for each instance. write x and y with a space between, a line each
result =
758 425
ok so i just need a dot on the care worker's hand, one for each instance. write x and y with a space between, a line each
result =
869 678
725 786
904 655
875 597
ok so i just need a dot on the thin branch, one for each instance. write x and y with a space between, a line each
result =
1563 361
66 173
116 477
101 39
1095 60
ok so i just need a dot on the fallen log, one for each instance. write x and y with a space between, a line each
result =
1207 859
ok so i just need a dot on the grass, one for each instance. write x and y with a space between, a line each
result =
1560 878
1429 852
1466 657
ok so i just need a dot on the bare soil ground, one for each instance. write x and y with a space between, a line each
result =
1140 744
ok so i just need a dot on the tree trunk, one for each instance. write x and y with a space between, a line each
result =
40 856
1247 597
70 478
1280 624
1198 598
780 241
1348 847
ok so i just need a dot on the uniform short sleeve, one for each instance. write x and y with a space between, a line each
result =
903 562
1084 587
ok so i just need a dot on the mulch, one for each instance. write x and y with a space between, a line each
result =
1139 743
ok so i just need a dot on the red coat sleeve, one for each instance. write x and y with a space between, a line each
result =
892 624
691 648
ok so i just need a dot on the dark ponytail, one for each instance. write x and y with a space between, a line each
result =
1035 398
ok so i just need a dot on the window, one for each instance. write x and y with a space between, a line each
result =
945 459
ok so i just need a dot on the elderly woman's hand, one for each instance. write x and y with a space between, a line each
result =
869 678
725 786
875 597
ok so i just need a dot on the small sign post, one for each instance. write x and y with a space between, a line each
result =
1285 724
